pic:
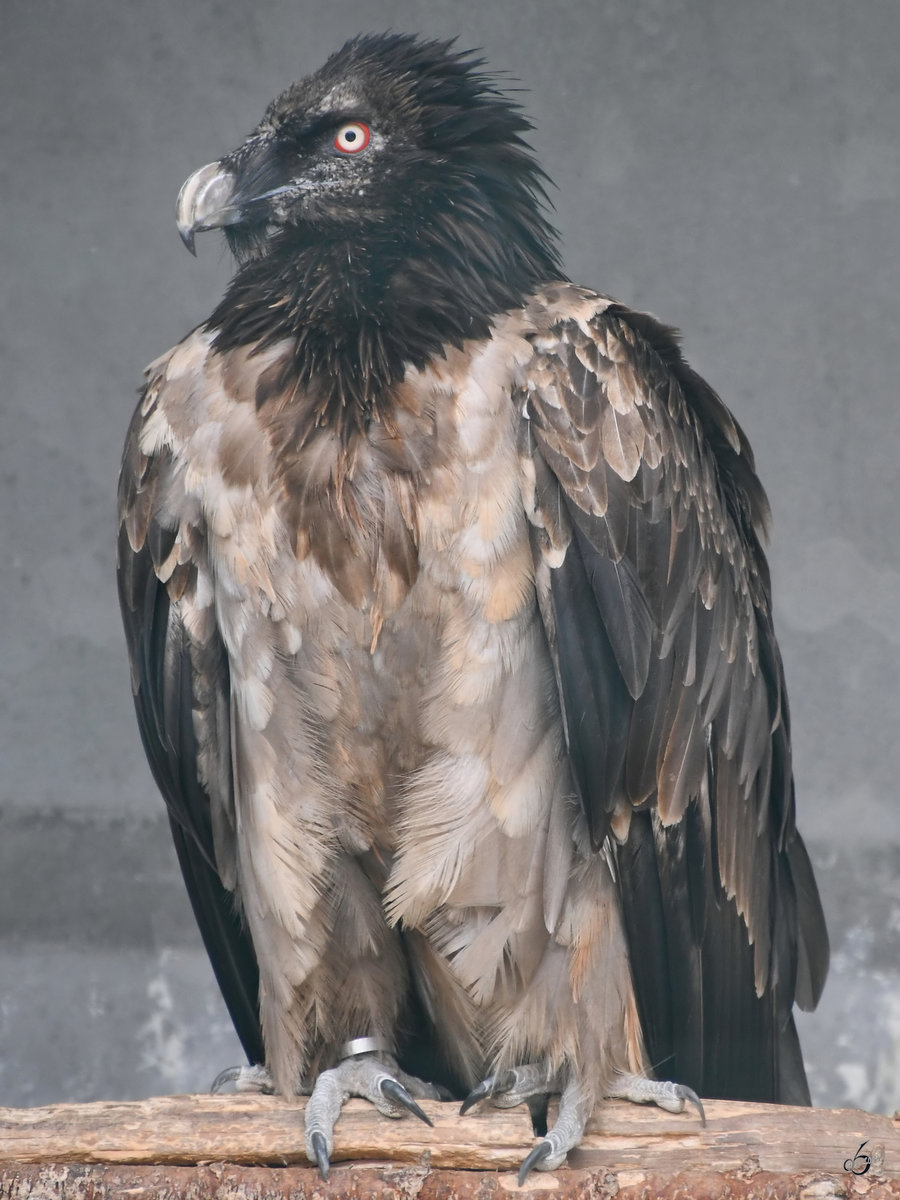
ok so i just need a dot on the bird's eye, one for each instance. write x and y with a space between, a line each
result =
352 137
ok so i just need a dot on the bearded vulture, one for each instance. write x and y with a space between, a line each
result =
451 638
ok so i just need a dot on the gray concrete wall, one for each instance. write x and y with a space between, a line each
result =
731 166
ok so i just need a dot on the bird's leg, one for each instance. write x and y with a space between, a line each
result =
256 1078
661 1092
371 1074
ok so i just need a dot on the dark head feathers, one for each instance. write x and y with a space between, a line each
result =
456 106
379 260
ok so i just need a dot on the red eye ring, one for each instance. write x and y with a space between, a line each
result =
352 137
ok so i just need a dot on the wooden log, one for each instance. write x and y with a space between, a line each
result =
75 1181
170 1146
264 1130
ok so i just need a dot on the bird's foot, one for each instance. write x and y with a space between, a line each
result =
245 1079
531 1084
671 1096
371 1075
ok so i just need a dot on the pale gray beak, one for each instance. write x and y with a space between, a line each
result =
205 202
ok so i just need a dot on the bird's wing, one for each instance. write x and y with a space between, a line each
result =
180 681
647 516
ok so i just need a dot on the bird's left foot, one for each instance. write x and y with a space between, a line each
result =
371 1076
530 1083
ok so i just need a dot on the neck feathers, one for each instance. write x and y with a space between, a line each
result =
361 312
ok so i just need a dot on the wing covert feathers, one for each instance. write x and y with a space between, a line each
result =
647 519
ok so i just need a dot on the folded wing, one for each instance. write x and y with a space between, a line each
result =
180 682
647 517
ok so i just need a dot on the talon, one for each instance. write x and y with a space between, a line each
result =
398 1094
320 1150
480 1092
541 1151
229 1075
691 1097
245 1079
493 1086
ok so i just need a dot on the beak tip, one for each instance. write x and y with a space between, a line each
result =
187 236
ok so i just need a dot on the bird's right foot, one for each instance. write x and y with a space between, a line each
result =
371 1074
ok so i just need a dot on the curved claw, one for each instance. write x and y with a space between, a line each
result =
480 1092
320 1150
541 1151
691 1097
255 1078
229 1075
494 1085
397 1094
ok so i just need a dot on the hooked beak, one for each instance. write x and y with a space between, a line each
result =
206 202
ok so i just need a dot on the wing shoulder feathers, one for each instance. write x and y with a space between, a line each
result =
647 524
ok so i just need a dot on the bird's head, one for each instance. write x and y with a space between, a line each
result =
385 208
393 138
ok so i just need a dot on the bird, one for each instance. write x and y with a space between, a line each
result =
451 639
